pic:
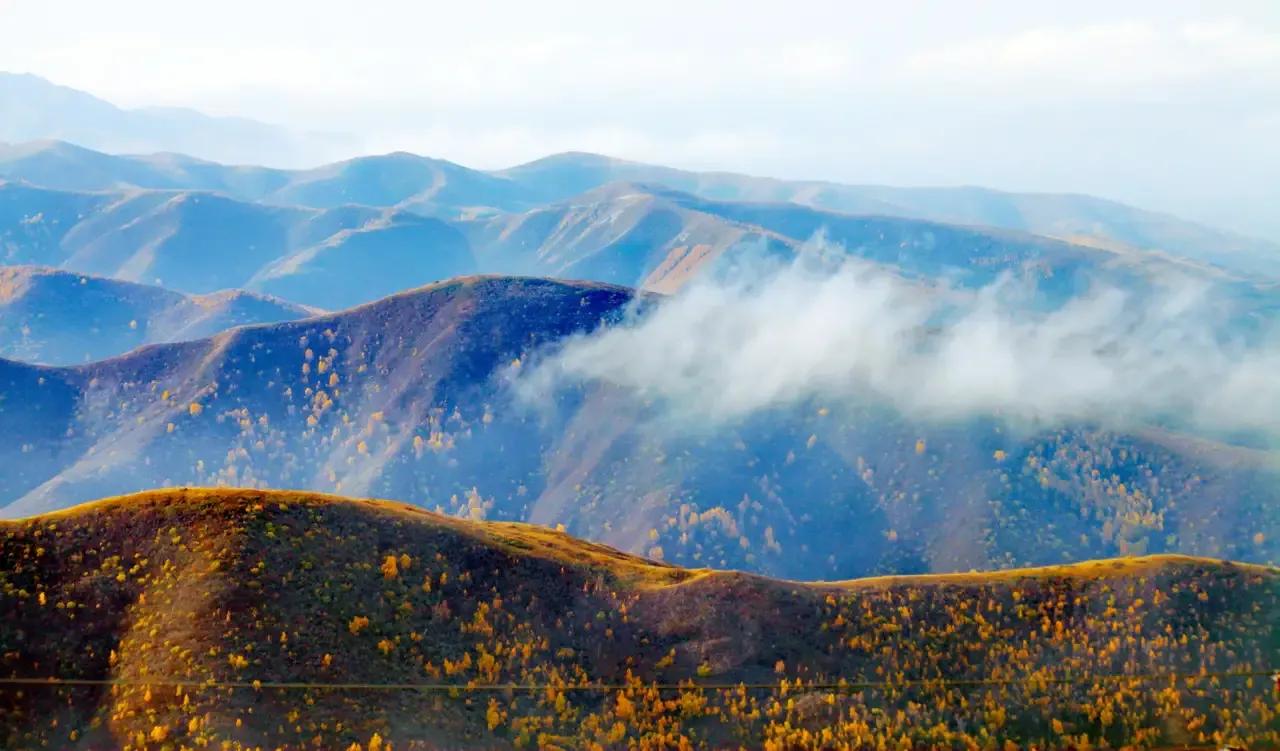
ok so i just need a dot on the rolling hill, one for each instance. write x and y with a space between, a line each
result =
624 234
660 239
1075 218
634 235
200 242
247 619
59 165
383 256
408 398
429 186
60 317
446 190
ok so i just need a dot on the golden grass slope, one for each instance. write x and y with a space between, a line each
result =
226 618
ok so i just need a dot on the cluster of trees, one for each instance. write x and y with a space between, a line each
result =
204 603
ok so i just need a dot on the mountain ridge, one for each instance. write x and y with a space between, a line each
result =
624 233
36 108
59 317
200 241
412 397
205 617
1072 217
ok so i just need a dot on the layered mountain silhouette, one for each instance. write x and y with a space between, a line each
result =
61 317
201 242
408 398
451 191
244 357
1072 217
410 394
634 235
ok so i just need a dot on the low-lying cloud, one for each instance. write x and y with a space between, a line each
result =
724 349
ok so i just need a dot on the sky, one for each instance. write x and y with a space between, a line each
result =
1165 104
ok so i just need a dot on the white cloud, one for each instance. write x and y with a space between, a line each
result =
1117 54
722 351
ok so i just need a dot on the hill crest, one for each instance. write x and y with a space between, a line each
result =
241 618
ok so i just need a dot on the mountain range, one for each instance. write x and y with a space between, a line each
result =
34 108
198 242
446 190
199 239
410 398
678 459
150 265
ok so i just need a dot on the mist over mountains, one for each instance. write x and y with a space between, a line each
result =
708 368
409 398
787 376
36 109
830 327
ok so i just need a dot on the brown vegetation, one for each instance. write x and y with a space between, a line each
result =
254 619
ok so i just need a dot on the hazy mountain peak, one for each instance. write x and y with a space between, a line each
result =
35 108
570 158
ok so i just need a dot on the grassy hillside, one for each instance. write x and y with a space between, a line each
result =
238 618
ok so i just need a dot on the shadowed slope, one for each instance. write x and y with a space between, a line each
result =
406 357
61 317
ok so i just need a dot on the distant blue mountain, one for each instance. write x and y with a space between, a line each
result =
1076 218
656 238
200 242
61 317
32 108
446 190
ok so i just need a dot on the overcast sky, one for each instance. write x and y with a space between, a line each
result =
1165 104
